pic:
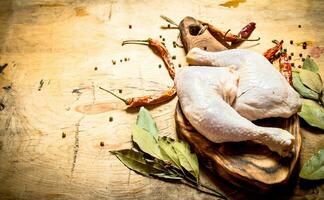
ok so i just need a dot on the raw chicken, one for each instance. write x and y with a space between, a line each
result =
262 91
219 102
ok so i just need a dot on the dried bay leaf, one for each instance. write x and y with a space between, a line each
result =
301 89
312 113
312 80
313 169
188 160
165 144
310 65
146 121
146 142
135 161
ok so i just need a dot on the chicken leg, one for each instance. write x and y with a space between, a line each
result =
206 95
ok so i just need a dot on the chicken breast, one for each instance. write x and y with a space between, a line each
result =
220 101
262 91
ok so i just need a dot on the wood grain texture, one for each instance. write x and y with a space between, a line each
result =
59 44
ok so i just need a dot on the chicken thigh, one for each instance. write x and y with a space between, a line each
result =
219 101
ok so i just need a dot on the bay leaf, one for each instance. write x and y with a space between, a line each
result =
313 169
312 80
135 161
301 89
166 146
310 65
312 113
146 142
188 160
146 121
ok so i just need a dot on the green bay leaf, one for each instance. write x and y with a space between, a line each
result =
310 65
313 169
135 161
312 80
301 89
188 160
165 144
146 142
146 121
312 113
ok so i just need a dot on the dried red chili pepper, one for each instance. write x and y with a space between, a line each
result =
147 100
159 49
157 98
270 53
245 33
224 37
285 67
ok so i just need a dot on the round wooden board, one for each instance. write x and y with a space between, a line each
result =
245 164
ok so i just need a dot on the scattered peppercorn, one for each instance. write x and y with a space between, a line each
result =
292 53
174 44
299 26
102 144
121 60
160 65
125 59
96 68
163 39
160 36
63 135
169 26
292 64
289 57
299 66
308 56
111 119
113 62
300 55
179 65
7 87
120 91
285 50
303 59
130 26
304 45
205 48
291 42
174 57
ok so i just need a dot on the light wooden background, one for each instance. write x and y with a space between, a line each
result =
52 49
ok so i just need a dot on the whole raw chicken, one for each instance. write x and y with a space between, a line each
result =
220 101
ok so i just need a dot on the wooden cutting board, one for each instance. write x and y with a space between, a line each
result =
245 164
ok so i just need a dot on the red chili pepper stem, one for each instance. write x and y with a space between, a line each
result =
142 42
115 95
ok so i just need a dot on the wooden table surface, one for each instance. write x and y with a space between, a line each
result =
59 52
